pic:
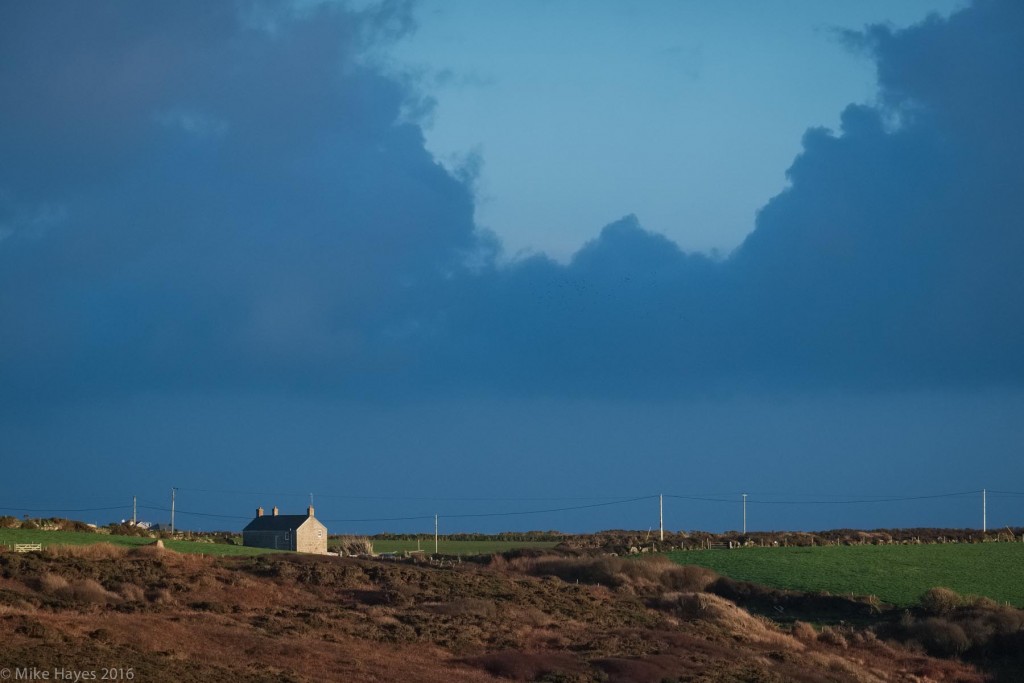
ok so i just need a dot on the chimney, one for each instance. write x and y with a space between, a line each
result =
275 511
309 511
259 512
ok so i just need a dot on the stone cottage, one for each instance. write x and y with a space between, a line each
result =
302 533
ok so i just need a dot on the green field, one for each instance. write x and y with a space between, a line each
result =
896 574
446 547
48 538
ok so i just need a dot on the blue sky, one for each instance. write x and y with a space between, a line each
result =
684 113
417 258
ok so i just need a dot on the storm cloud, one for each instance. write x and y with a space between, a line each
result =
205 195
213 197
891 261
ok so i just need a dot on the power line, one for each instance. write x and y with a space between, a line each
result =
195 514
119 507
495 514
537 512
400 497
859 501
381 519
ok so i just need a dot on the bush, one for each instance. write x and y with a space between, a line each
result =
464 607
127 530
801 630
940 637
940 601
51 583
8 522
832 637
688 577
656 573
89 590
132 593
72 525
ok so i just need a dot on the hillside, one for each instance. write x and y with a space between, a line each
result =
177 617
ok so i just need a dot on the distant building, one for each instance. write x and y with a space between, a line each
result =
301 533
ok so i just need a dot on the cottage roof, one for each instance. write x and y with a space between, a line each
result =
276 522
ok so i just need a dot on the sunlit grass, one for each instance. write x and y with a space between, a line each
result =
446 547
897 574
51 538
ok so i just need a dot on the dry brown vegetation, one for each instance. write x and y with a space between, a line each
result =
303 618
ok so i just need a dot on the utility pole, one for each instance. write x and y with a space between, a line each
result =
744 514
435 533
984 512
173 492
134 509
661 517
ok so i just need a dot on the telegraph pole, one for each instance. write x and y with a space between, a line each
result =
744 514
435 533
984 512
173 492
661 517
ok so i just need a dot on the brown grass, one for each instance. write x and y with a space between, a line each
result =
95 551
90 591
648 575
52 583
803 631
529 666
132 592
464 607
177 617
832 637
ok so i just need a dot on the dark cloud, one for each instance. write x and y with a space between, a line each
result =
203 196
206 194
892 260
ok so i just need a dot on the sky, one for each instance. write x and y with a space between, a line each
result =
684 113
524 268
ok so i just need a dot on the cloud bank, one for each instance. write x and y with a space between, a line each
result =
214 198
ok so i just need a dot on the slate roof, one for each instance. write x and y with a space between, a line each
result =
276 523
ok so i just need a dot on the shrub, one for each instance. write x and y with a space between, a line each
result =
132 592
803 631
73 525
940 637
654 574
89 590
464 607
830 636
577 570
688 577
127 529
8 522
51 583
529 666
940 601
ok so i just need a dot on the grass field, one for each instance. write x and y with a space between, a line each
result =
459 547
897 574
12 536
48 538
